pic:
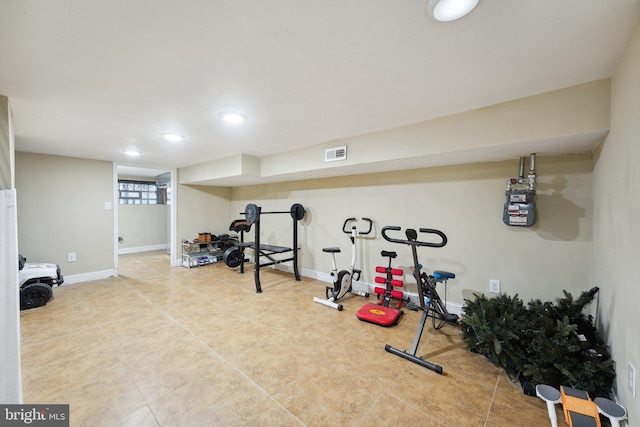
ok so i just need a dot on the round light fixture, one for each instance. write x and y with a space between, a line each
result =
132 153
173 137
232 117
450 10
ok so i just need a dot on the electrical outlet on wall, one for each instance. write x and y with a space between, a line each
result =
71 257
494 286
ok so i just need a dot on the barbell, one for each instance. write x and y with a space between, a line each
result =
253 211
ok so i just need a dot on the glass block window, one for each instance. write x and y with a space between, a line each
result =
138 193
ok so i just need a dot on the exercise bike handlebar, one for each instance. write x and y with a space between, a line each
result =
412 236
348 231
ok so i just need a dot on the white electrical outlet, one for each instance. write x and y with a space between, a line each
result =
632 379
71 257
494 286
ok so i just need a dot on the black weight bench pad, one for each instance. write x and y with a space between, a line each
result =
269 248
275 249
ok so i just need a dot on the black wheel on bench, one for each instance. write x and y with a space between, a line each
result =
233 257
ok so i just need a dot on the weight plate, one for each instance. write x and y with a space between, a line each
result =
251 213
297 211
232 257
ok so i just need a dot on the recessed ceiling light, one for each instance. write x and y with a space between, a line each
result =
173 137
132 153
232 117
450 10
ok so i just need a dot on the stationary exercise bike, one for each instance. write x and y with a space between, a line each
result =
343 279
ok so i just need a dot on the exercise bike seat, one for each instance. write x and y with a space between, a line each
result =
443 275
332 250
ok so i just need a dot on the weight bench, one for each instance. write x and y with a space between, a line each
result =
267 251
252 214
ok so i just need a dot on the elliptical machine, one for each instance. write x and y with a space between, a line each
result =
343 279
429 301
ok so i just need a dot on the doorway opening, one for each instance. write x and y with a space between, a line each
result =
144 211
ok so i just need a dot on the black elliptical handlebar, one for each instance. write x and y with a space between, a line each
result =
348 220
412 236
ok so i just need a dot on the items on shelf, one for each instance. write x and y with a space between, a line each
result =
206 249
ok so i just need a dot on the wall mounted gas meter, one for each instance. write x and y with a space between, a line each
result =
520 207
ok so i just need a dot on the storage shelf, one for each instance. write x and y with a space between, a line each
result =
197 254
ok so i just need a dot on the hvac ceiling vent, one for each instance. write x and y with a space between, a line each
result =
336 153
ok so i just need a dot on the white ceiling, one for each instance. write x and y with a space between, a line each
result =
92 78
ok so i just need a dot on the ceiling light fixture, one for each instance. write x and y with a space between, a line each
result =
450 10
232 117
173 137
132 153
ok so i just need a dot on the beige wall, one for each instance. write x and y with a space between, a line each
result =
61 209
465 202
616 246
200 209
142 225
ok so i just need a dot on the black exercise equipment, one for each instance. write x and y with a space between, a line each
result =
429 302
252 212
252 215
234 255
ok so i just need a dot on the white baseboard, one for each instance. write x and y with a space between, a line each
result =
74 279
312 274
138 249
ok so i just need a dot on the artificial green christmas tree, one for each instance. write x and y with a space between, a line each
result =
544 343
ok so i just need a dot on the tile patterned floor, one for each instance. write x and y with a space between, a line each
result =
162 346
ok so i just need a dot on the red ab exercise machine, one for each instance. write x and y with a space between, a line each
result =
384 313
